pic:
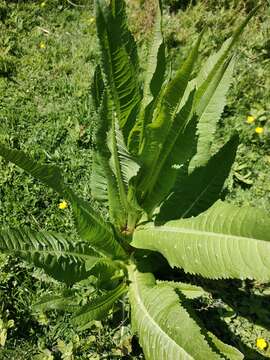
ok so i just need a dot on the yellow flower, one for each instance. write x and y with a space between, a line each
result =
250 119
259 130
43 4
42 45
89 20
63 205
261 344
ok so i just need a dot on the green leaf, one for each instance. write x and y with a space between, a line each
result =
228 351
48 174
98 308
154 78
213 82
223 242
108 273
97 88
63 301
90 224
158 131
189 291
209 106
64 260
215 61
192 292
124 167
178 148
104 189
198 191
123 164
183 150
103 182
156 60
165 329
101 238
98 179
100 151
119 59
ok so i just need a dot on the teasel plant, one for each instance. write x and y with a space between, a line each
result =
158 182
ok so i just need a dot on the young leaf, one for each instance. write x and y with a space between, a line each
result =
62 259
213 82
164 116
156 61
196 192
165 329
104 189
123 165
174 166
217 60
223 242
208 107
178 149
119 59
103 180
98 308
100 151
154 79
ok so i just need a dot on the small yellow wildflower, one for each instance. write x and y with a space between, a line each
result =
43 4
42 45
250 119
91 20
63 205
261 344
259 130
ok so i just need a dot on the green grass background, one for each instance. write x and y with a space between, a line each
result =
48 51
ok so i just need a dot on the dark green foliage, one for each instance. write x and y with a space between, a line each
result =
196 192
116 180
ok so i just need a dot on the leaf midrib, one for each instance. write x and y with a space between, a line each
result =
184 230
145 311
51 252
117 164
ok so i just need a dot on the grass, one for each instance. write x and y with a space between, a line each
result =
48 52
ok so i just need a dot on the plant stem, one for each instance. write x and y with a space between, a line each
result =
132 220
